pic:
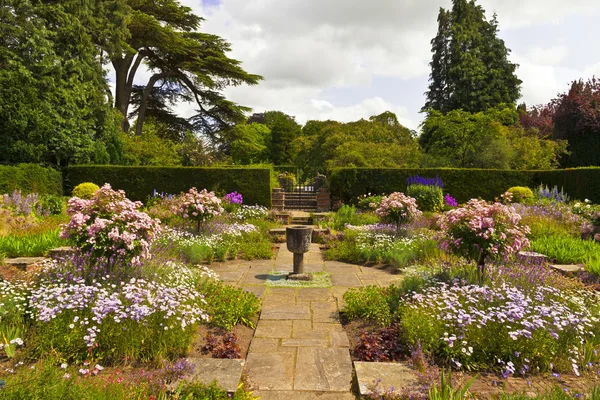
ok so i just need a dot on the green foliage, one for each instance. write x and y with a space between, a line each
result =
33 245
379 142
370 302
284 129
150 148
85 190
347 184
199 391
521 194
475 79
47 382
249 143
348 215
53 101
446 391
140 182
184 63
429 198
227 305
30 178
569 250
489 139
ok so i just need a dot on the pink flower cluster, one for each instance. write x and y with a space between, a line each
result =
482 227
398 208
110 226
199 206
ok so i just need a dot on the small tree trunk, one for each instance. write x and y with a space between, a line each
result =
481 267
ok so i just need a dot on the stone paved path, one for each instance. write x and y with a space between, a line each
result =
300 350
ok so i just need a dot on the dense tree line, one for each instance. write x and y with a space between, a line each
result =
56 106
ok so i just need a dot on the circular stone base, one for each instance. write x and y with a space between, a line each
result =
300 277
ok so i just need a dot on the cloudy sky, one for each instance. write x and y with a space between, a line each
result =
350 59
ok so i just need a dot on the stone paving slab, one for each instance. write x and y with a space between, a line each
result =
255 278
233 276
273 329
269 371
345 280
285 313
264 345
257 290
396 375
305 342
323 369
315 294
227 372
297 395
339 339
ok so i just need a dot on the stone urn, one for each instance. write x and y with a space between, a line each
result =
298 239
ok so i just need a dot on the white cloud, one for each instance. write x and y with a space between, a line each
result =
304 48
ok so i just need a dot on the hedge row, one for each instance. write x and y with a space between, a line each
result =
140 182
463 184
30 178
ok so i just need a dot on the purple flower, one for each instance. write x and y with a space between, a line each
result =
450 201
419 180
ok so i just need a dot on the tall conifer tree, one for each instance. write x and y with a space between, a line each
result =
470 69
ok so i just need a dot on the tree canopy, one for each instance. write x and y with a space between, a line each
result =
54 106
470 69
185 65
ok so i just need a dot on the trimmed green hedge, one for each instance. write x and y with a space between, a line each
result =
140 182
30 178
346 184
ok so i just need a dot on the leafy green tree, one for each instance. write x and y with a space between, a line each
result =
150 148
379 142
284 130
54 107
491 139
250 144
470 69
185 65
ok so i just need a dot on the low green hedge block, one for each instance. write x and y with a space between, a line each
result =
140 182
30 178
346 184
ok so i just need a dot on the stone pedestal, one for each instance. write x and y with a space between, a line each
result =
298 239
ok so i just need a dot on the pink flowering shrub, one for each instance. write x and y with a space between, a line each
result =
199 206
481 229
398 208
109 230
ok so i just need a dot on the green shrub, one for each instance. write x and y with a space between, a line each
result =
140 182
227 305
348 215
370 302
346 184
521 194
52 204
30 178
85 190
429 198
200 391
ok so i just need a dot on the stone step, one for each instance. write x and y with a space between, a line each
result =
23 262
